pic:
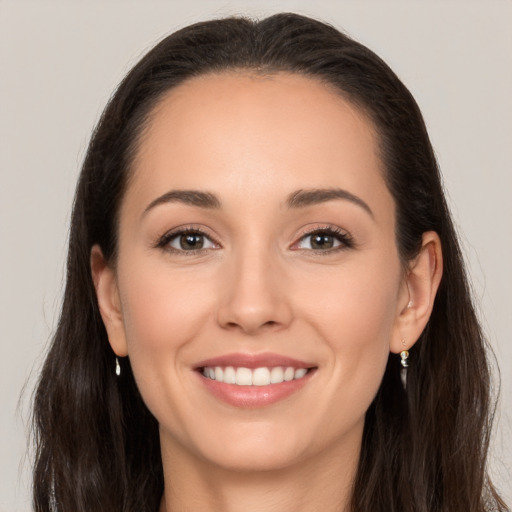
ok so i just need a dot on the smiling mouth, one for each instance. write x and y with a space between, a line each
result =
251 381
262 376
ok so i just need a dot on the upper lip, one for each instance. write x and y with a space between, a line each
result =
252 361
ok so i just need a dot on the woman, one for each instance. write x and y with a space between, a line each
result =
266 306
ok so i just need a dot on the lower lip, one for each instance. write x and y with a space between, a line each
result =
254 396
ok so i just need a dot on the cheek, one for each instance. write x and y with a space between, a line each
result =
356 307
161 315
161 303
355 313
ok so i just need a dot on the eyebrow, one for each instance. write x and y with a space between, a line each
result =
190 197
298 199
304 198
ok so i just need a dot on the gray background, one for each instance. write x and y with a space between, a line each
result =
59 62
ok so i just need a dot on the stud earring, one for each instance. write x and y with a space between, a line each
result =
118 367
404 361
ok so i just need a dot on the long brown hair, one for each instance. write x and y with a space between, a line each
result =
424 449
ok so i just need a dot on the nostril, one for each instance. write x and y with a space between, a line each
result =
253 316
248 326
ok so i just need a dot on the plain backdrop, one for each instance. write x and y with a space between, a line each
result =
59 63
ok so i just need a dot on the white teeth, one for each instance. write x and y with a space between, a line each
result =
257 377
299 373
261 377
276 375
289 373
229 375
219 373
243 377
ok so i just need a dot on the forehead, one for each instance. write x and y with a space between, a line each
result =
251 133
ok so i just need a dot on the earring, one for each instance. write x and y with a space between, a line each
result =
404 361
118 367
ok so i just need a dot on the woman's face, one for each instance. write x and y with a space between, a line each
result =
257 245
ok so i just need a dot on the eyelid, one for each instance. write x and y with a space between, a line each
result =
343 236
162 241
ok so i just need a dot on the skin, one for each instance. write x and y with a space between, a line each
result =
258 285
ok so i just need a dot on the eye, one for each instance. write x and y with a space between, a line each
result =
186 241
329 239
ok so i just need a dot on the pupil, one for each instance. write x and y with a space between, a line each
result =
191 241
321 241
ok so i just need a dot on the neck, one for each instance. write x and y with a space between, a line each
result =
323 482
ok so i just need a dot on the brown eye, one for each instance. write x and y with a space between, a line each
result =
189 241
322 241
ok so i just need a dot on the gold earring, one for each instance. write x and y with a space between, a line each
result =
404 361
118 367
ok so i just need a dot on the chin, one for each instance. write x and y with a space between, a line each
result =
253 448
249 459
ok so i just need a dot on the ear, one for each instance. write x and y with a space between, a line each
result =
416 300
107 293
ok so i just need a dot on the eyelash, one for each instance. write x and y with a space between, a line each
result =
165 240
345 239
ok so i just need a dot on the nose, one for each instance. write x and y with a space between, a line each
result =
254 297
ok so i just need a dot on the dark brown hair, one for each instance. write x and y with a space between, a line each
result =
424 449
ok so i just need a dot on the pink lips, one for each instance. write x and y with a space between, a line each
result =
254 361
254 396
